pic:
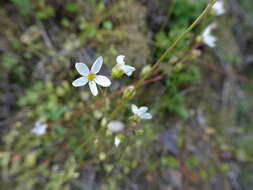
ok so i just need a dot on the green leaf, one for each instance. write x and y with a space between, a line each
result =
72 7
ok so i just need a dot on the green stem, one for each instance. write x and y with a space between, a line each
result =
118 160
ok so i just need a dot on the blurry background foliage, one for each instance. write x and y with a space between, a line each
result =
201 134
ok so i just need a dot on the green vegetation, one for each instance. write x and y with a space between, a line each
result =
201 127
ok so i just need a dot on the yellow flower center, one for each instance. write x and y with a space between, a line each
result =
91 77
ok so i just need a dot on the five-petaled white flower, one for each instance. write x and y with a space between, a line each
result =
141 112
91 77
207 36
39 129
128 70
218 8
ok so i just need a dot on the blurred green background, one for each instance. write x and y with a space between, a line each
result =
201 134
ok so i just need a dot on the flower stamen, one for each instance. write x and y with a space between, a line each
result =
91 77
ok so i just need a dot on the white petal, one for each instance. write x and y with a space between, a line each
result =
207 36
115 126
102 80
218 8
210 41
120 59
97 65
93 88
82 69
134 109
142 110
80 82
117 141
128 70
146 116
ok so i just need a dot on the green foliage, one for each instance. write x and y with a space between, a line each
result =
24 6
182 13
45 12
48 102
72 7
185 11
77 141
174 100
170 161
9 61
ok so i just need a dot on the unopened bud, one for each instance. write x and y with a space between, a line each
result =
134 120
195 53
117 72
199 40
129 93
146 70
104 122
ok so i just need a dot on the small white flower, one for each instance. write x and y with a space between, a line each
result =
207 36
141 112
115 126
218 8
39 129
117 141
91 77
128 70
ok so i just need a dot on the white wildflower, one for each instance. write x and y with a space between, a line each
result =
117 141
39 129
115 126
128 70
218 8
91 77
141 112
207 36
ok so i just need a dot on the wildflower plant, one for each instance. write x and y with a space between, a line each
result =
91 129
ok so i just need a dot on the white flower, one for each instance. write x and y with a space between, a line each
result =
91 77
218 8
128 70
39 129
115 126
117 141
141 112
207 36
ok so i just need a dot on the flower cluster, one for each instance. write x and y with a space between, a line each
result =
92 78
